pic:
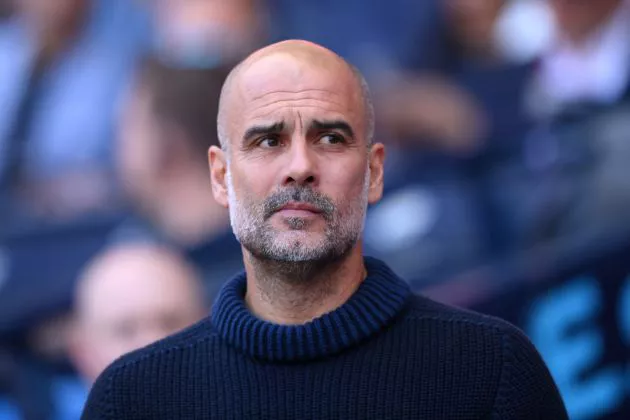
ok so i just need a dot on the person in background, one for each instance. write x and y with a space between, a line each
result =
128 297
206 33
64 64
580 98
166 126
589 59
446 124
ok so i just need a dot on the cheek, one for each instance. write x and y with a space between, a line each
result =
252 184
345 182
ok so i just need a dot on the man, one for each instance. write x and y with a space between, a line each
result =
167 123
313 329
128 297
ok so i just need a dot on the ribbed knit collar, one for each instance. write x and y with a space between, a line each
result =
379 298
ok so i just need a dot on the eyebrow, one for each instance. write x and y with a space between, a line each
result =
333 125
259 130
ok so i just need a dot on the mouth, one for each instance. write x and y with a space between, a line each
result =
298 209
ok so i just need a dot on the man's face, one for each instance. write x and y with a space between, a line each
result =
299 173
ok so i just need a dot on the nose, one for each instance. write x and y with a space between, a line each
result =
302 166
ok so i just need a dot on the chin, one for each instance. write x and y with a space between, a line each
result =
301 237
299 251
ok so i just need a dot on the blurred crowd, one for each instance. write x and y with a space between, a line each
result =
507 125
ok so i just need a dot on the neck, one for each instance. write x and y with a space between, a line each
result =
290 293
186 211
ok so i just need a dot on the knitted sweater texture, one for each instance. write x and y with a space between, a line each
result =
384 354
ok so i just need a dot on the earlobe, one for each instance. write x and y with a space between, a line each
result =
218 172
377 161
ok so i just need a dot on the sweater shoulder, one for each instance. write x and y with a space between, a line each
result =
423 308
523 385
492 334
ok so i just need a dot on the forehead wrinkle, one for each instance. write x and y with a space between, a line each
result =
341 115
293 92
306 94
296 103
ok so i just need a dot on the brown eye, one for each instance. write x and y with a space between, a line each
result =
269 142
331 139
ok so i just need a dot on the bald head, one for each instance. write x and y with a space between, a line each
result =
128 297
280 65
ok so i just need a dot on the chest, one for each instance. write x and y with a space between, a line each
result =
365 386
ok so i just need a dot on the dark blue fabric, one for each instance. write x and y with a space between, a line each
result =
384 354
39 268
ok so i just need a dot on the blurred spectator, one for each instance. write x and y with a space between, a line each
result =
581 98
38 272
129 297
168 123
207 33
460 132
473 102
63 64
589 62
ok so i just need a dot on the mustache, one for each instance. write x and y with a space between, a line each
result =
299 195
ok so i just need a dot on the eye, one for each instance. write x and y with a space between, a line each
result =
332 138
269 142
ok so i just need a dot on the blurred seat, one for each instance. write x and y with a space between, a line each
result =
40 267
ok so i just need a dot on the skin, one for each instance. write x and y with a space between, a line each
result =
127 298
301 262
578 19
232 27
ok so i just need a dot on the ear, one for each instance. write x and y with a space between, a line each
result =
218 172
377 160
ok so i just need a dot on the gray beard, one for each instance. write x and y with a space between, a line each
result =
309 273
296 262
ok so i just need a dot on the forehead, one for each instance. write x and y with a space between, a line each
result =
279 83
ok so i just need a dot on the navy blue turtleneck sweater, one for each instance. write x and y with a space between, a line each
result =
384 354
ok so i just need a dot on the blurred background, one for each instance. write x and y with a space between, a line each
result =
507 124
